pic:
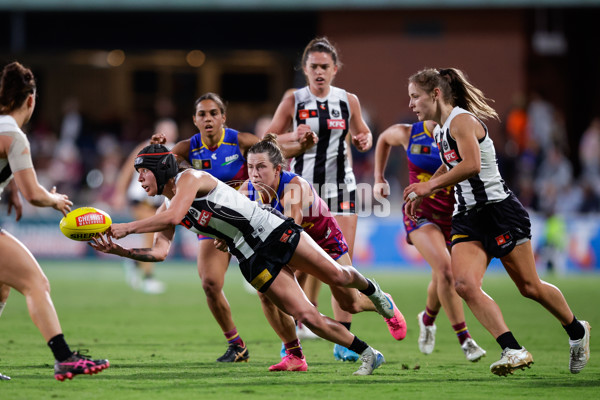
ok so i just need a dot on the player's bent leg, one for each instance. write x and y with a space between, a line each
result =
520 265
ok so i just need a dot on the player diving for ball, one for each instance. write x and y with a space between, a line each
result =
263 240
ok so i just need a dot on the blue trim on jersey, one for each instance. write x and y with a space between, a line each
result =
422 149
224 162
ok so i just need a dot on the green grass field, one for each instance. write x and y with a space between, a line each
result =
164 347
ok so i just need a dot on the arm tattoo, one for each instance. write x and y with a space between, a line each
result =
141 255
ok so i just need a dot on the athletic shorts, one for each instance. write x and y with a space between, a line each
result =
343 203
334 244
262 268
445 224
498 226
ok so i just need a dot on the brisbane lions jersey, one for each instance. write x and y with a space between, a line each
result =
485 187
224 161
314 219
423 161
327 161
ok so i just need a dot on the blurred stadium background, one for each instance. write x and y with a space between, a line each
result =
108 70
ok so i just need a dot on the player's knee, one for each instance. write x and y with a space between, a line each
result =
529 290
465 289
308 317
342 277
212 287
349 306
445 276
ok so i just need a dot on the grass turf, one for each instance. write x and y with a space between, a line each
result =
164 346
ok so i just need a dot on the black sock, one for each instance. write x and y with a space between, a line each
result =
575 329
369 290
358 346
346 324
508 340
59 347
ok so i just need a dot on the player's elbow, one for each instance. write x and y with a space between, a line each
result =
472 169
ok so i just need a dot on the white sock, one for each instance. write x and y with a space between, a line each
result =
2 307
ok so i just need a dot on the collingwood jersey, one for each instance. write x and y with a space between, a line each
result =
327 161
225 213
18 156
485 187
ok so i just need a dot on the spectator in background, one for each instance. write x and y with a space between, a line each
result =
589 152
540 122
554 177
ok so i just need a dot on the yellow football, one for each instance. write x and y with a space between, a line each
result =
84 223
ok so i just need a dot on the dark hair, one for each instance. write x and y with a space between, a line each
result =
269 145
456 90
321 45
211 96
158 159
16 83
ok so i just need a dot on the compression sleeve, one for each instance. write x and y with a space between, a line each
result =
19 153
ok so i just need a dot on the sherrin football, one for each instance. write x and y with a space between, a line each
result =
84 223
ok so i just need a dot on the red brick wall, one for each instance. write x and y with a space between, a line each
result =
381 49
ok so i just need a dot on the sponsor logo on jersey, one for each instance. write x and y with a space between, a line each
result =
306 114
230 159
347 205
322 106
90 219
307 225
260 279
258 231
420 149
187 224
286 236
204 218
193 212
202 164
450 156
336 124
503 239
214 156
335 113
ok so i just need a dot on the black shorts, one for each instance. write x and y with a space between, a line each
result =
498 226
343 203
262 268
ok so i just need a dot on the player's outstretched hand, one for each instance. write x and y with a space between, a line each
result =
62 202
104 244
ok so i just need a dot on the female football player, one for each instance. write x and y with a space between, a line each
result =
296 198
265 243
18 268
333 115
488 220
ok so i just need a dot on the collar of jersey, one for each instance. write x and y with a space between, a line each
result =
218 144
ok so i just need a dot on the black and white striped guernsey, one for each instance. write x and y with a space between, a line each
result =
327 161
225 213
483 188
